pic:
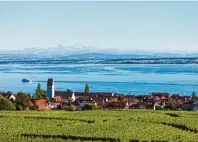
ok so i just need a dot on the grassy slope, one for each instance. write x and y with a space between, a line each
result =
123 125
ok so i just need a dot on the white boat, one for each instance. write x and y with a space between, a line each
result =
26 80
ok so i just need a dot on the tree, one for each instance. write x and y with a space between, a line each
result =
6 104
120 99
39 93
87 88
22 101
194 96
29 95
9 92
70 100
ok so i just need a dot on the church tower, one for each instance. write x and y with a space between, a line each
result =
50 88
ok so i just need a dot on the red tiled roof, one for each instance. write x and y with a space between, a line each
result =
175 96
30 102
154 94
163 98
115 105
114 100
58 99
156 98
99 102
40 102
133 100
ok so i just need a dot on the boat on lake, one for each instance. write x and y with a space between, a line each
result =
26 80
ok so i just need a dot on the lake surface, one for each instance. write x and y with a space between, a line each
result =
122 78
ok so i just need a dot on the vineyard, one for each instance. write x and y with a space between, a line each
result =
101 125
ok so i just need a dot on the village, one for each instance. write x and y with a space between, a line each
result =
53 99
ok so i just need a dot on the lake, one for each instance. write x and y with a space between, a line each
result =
123 78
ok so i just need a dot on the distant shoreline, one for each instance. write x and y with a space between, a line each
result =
103 61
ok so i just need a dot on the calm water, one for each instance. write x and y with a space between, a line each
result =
134 79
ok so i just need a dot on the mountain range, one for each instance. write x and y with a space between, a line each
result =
87 52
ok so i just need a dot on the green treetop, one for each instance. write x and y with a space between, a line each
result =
87 88
39 93
22 101
194 95
6 104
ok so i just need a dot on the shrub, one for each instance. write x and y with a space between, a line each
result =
6 104
141 107
71 108
159 108
170 105
59 107
134 106
179 109
34 107
90 107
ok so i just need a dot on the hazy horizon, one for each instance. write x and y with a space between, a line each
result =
136 26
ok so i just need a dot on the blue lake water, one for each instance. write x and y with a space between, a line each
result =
122 78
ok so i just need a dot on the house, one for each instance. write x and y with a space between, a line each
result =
64 96
143 98
166 95
159 105
98 101
118 95
133 102
81 101
42 104
55 105
176 96
115 105
186 98
160 96
101 97
115 99
9 96
83 98
156 98
58 99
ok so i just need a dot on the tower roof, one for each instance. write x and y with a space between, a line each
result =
50 82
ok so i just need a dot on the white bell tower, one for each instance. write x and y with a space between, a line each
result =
50 88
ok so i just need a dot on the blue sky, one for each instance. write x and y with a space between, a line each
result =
153 26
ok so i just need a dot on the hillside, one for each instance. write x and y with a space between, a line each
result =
110 125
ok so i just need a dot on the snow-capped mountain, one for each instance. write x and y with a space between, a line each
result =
87 52
50 51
